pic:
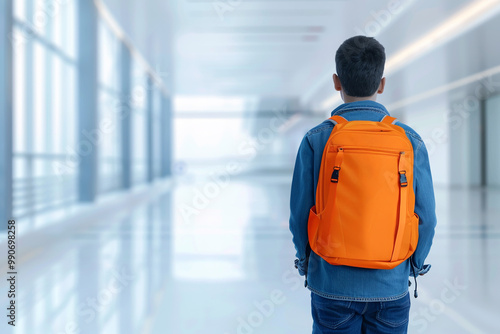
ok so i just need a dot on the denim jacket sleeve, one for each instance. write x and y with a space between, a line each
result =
301 201
425 207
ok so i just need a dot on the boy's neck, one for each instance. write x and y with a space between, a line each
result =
349 99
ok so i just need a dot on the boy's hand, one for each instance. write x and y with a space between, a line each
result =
301 265
425 269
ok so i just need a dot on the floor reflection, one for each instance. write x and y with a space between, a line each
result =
226 267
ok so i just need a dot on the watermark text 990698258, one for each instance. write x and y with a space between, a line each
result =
11 272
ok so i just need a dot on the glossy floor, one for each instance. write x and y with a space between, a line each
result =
217 258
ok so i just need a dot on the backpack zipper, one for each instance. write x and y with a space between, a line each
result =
340 152
364 150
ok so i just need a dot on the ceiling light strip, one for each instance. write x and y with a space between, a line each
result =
445 88
458 24
464 20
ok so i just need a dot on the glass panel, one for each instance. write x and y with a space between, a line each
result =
19 115
40 18
44 121
58 84
492 140
109 165
139 143
58 30
108 58
39 117
68 11
70 106
157 133
109 169
20 9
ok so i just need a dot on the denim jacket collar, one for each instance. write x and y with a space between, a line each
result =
360 105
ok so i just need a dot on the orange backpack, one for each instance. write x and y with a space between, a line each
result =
363 215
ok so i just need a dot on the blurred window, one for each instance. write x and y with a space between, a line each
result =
109 170
45 159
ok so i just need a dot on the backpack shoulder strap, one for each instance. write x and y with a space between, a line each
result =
337 120
389 120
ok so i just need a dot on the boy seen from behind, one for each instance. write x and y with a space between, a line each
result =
362 204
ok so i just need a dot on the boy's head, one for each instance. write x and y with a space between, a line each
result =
360 64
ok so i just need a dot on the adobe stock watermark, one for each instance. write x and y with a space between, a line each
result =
44 12
220 180
460 112
89 310
423 316
265 308
382 18
222 7
91 139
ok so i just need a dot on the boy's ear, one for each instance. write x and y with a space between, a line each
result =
381 86
336 82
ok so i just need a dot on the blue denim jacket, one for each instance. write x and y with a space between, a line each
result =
351 283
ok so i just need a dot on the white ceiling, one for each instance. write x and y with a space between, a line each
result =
270 49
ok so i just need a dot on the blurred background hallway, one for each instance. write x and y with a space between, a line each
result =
147 151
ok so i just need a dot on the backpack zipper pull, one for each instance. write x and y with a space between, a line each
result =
338 162
335 174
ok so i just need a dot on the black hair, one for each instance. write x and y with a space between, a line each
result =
360 64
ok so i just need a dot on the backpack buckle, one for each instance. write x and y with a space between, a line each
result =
335 174
403 182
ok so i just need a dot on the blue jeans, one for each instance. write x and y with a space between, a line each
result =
338 316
